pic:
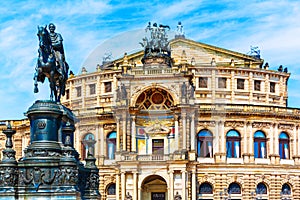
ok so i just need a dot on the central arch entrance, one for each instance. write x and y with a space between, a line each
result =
154 187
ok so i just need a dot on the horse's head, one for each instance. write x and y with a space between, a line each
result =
44 38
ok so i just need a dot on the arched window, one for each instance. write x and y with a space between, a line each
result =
284 146
260 141
111 189
88 145
111 145
205 188
233 143
286 189
261 188
234 188
205 144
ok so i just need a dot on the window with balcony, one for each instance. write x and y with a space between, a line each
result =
272 87
284 146
205 144
203 82
88 145
92 89
111 145
257 84
233 141
205 188
240 84
260 150
107 87
222 82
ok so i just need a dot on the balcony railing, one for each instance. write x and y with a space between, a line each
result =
152 157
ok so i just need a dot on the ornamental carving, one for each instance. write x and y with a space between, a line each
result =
110 127
41 153
67 175
261 125
286 126
206 178
234 124
8 176
206 124
36 177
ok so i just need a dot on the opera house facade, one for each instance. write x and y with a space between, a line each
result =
181 119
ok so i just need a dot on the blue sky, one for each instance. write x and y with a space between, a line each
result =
273 26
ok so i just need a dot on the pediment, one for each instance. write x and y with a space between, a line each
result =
203 53
156 182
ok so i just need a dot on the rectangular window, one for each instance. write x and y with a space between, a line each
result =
203 82
157 146
240 84
107 87
78 90
92 89
272 87
67 94
257 85
222 82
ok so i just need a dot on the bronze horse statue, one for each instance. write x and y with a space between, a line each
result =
48 66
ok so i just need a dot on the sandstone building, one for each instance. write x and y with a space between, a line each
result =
186 120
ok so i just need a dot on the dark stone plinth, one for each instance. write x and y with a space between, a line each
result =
45 120
49 168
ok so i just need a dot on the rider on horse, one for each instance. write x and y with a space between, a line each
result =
56 41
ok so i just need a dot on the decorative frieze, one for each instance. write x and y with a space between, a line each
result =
110 127
234 124
286 126
260 125
207 124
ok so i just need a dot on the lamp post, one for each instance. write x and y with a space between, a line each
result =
226 195
285 195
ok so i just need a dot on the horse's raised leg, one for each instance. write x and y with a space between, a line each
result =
36 89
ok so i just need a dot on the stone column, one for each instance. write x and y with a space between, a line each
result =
276 142
133 133
216 140
118 135
271 143
294 141
232 85
123 185
171 183
102 138
246 137
192 133
176 131
117 186
183 131
135 184
251 143
97 151
124 133
223 137
183 183
194 184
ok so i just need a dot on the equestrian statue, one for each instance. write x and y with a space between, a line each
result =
51 62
